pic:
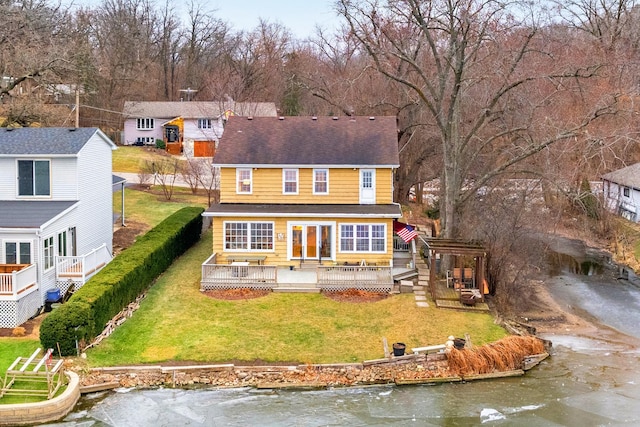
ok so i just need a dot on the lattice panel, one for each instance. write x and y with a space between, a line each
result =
15 313
221 286
370 288
65 285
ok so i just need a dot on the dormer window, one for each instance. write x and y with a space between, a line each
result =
290 181
34 178
243 181
145 123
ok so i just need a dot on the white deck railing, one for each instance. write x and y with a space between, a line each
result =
356 276
240 275
18 283
80 268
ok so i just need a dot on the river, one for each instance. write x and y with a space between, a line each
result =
589 381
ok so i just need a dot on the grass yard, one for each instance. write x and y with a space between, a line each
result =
150 207
177 322
132 158
10 350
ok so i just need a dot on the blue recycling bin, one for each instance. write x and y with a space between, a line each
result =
53 295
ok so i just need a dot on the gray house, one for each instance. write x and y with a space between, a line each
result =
56 214
621 190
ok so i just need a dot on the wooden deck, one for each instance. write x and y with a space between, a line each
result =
450 298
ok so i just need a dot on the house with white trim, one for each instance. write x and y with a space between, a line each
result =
192 127
621 192
56 214
305 193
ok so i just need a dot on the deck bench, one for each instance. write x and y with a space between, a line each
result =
248 258
428 349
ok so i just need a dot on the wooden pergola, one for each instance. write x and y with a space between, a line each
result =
458 248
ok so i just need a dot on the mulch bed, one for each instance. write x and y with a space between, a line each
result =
356 296
236 294
350 295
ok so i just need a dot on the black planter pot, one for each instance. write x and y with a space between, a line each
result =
398 348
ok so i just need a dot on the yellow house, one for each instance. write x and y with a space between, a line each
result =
305 193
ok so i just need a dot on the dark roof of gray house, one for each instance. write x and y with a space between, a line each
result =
30 213
234 209
331 141
629 176
44 141
115 179
197 109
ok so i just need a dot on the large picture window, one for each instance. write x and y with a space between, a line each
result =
145 123
290 181
248 236
244 180
33 178
363 238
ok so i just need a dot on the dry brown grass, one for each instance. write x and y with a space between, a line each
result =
504 355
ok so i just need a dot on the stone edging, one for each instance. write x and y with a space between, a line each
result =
17 414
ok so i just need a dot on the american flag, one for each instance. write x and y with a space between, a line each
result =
405 231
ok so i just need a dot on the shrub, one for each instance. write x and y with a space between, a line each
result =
120 282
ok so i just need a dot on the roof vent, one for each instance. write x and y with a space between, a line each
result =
9 129
72 129
335 117
314 118
250 118
281 118
371 118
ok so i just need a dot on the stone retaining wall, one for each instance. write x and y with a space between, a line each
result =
19 414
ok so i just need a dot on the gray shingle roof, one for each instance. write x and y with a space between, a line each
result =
346 141
629 176
46 141
197 109
233 209
30 213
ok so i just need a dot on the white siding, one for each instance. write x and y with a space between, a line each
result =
63 177
617 202
8 179
191 130
95 190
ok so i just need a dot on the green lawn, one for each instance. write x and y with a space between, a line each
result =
10 350
150 208
131 158
177 322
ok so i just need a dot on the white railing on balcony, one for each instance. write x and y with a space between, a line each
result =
356 276
18 283
81 268
236 275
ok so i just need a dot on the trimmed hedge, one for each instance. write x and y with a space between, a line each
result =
120 282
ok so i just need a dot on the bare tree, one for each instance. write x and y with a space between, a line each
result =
469 63
191 172
210 180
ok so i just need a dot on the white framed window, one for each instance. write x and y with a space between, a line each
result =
626 191
363 238
16 252
47 252
244 181
34 178
145 123
204 124
290 181
248 236
321 181
143 140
